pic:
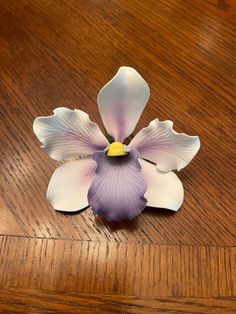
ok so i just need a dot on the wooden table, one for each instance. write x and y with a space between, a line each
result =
60 53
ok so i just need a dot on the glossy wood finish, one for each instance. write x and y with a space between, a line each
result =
126 268
60 53
38 301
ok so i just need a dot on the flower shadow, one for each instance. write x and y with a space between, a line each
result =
158 212
114 226
64 212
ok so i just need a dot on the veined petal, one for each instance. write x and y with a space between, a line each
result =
160 144
165 190
121 102
69 133
117 190
69 185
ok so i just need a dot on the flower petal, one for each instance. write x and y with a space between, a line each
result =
117 190
121 102
170 150
165 190
69 133
68 187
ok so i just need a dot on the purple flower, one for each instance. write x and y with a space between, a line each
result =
116 180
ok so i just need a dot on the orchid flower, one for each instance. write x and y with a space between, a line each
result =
116 180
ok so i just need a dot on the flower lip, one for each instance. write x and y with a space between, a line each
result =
118 187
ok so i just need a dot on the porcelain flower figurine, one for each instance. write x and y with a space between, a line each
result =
115 180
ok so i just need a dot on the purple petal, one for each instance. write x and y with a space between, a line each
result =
121 102
160 144
117 190
69 133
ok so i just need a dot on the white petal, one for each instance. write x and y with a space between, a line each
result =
69 133
121 102
160 144
69 185
165 190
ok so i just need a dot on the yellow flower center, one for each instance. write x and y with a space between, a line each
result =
116 149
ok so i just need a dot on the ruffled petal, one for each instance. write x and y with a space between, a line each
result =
160 144
165 190
69 185
121 102
69 133
117 190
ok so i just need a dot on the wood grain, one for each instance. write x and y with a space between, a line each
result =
60 53
49 59
40 301
128 269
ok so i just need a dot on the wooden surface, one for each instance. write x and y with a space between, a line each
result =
60 53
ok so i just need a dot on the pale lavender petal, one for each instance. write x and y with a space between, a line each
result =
69 133
69 185
121 102
117 190
165 190
160 144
